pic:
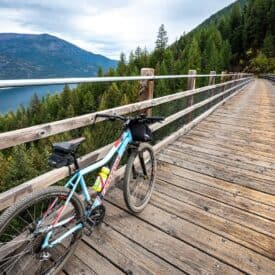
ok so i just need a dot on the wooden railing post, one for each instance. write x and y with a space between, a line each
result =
223 76
191 86
212 78
146 88
212 81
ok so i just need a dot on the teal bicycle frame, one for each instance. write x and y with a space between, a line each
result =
118 148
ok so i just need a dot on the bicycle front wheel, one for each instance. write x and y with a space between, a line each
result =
139 177
23 228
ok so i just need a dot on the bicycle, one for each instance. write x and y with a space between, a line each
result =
40 233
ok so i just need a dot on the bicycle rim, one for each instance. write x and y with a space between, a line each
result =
23 230
140 177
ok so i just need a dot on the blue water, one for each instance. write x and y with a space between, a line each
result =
12 98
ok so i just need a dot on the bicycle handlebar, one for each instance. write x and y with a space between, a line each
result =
111 117
140 118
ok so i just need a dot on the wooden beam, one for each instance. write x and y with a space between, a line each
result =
11 196
194 107
191 86
186 128
212 78
16 137
146 88
212 81
223 80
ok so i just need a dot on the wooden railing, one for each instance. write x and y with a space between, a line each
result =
222 92
268 76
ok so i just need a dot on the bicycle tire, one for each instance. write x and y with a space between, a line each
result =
129 177
10 215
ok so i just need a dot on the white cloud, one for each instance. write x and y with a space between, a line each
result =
106 27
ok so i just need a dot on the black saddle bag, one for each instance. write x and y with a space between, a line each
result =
60 158
141 132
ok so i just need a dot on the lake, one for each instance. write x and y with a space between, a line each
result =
12 98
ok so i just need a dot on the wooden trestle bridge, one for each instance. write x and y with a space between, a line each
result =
213 207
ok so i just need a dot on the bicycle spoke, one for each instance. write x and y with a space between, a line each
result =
21 239
30 216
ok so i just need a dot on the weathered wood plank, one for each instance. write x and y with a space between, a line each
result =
231 155
204 154
20 136
240 147
129 256
235 232
268 136
95 261
220 209
214 169
146 88
215 245
234 189
176 252
230 198
14 194
244 142
76 266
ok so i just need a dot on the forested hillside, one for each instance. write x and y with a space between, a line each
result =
240 38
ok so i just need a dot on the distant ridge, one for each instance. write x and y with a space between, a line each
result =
225 11
44 56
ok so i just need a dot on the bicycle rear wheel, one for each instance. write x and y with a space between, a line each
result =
139 178
23 228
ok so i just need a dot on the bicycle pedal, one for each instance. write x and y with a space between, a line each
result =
88 229
96 216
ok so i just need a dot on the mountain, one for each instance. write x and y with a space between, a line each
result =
44 56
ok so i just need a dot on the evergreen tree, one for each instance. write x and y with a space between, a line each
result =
19 167
269 45
161 44
194 56
121 66
162 39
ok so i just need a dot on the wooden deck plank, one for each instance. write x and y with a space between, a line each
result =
235 232
227 127
222 129
225 154
230 161
178 253
218 171
238 168
131 257
210 191
220 209
249 169
234 189
215 245
213 208
93 262
242 148
77 266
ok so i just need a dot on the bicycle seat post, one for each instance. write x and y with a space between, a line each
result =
75 161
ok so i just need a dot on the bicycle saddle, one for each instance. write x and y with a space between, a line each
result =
68 146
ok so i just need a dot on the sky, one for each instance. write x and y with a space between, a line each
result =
106 27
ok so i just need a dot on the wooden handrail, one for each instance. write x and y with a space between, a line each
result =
268 76
77 80
20 136
11 196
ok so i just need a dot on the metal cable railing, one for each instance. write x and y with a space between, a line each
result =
220 91
78 80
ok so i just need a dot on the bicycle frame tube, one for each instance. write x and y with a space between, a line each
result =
118 148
